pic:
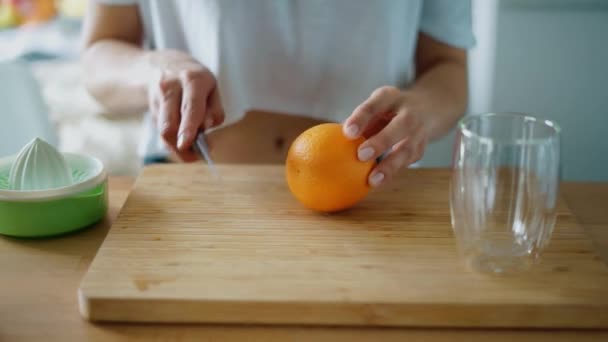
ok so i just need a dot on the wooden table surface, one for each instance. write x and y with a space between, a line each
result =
40 278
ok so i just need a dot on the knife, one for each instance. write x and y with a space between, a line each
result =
201 146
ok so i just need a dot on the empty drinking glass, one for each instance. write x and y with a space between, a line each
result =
504 189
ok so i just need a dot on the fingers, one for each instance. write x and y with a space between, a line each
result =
389 122
389 165
382 102
169 98
168 104
401 126
216 109
195 89
183 105
402 155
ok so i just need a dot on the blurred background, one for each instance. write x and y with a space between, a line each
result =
544 57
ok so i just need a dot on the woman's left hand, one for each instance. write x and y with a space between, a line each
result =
391 122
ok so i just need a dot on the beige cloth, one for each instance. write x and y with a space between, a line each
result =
82 124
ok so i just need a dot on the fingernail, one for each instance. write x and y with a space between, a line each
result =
376 178
351 131
181 140
208 122
365 154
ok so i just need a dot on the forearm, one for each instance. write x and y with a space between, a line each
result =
116 73
440 93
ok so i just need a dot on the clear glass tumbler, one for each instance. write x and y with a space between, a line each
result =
504 189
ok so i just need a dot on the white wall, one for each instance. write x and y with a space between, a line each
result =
23 113
552 60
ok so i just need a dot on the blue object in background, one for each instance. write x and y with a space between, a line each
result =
23 112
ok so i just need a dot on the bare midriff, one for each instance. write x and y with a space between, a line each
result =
259 138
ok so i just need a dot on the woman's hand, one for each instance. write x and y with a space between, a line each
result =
391 121
181 94
183 98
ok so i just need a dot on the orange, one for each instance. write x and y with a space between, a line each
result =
323 171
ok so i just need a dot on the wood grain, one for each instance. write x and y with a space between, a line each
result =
31 312
187 248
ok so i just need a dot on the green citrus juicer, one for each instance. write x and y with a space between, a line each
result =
45 193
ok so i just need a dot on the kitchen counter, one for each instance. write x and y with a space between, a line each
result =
40 278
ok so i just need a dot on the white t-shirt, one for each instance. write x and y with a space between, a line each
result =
319 58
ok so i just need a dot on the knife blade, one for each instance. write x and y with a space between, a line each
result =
201 146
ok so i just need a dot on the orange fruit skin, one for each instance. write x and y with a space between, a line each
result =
323 171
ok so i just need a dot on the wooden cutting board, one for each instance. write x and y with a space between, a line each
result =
188 248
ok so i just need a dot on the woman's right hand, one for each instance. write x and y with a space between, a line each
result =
183 98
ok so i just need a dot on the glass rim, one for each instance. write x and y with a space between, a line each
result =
462 126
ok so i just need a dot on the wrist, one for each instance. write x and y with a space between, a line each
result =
417 103
151 65
141 75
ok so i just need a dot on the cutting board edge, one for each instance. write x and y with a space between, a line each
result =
95 308
543 316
